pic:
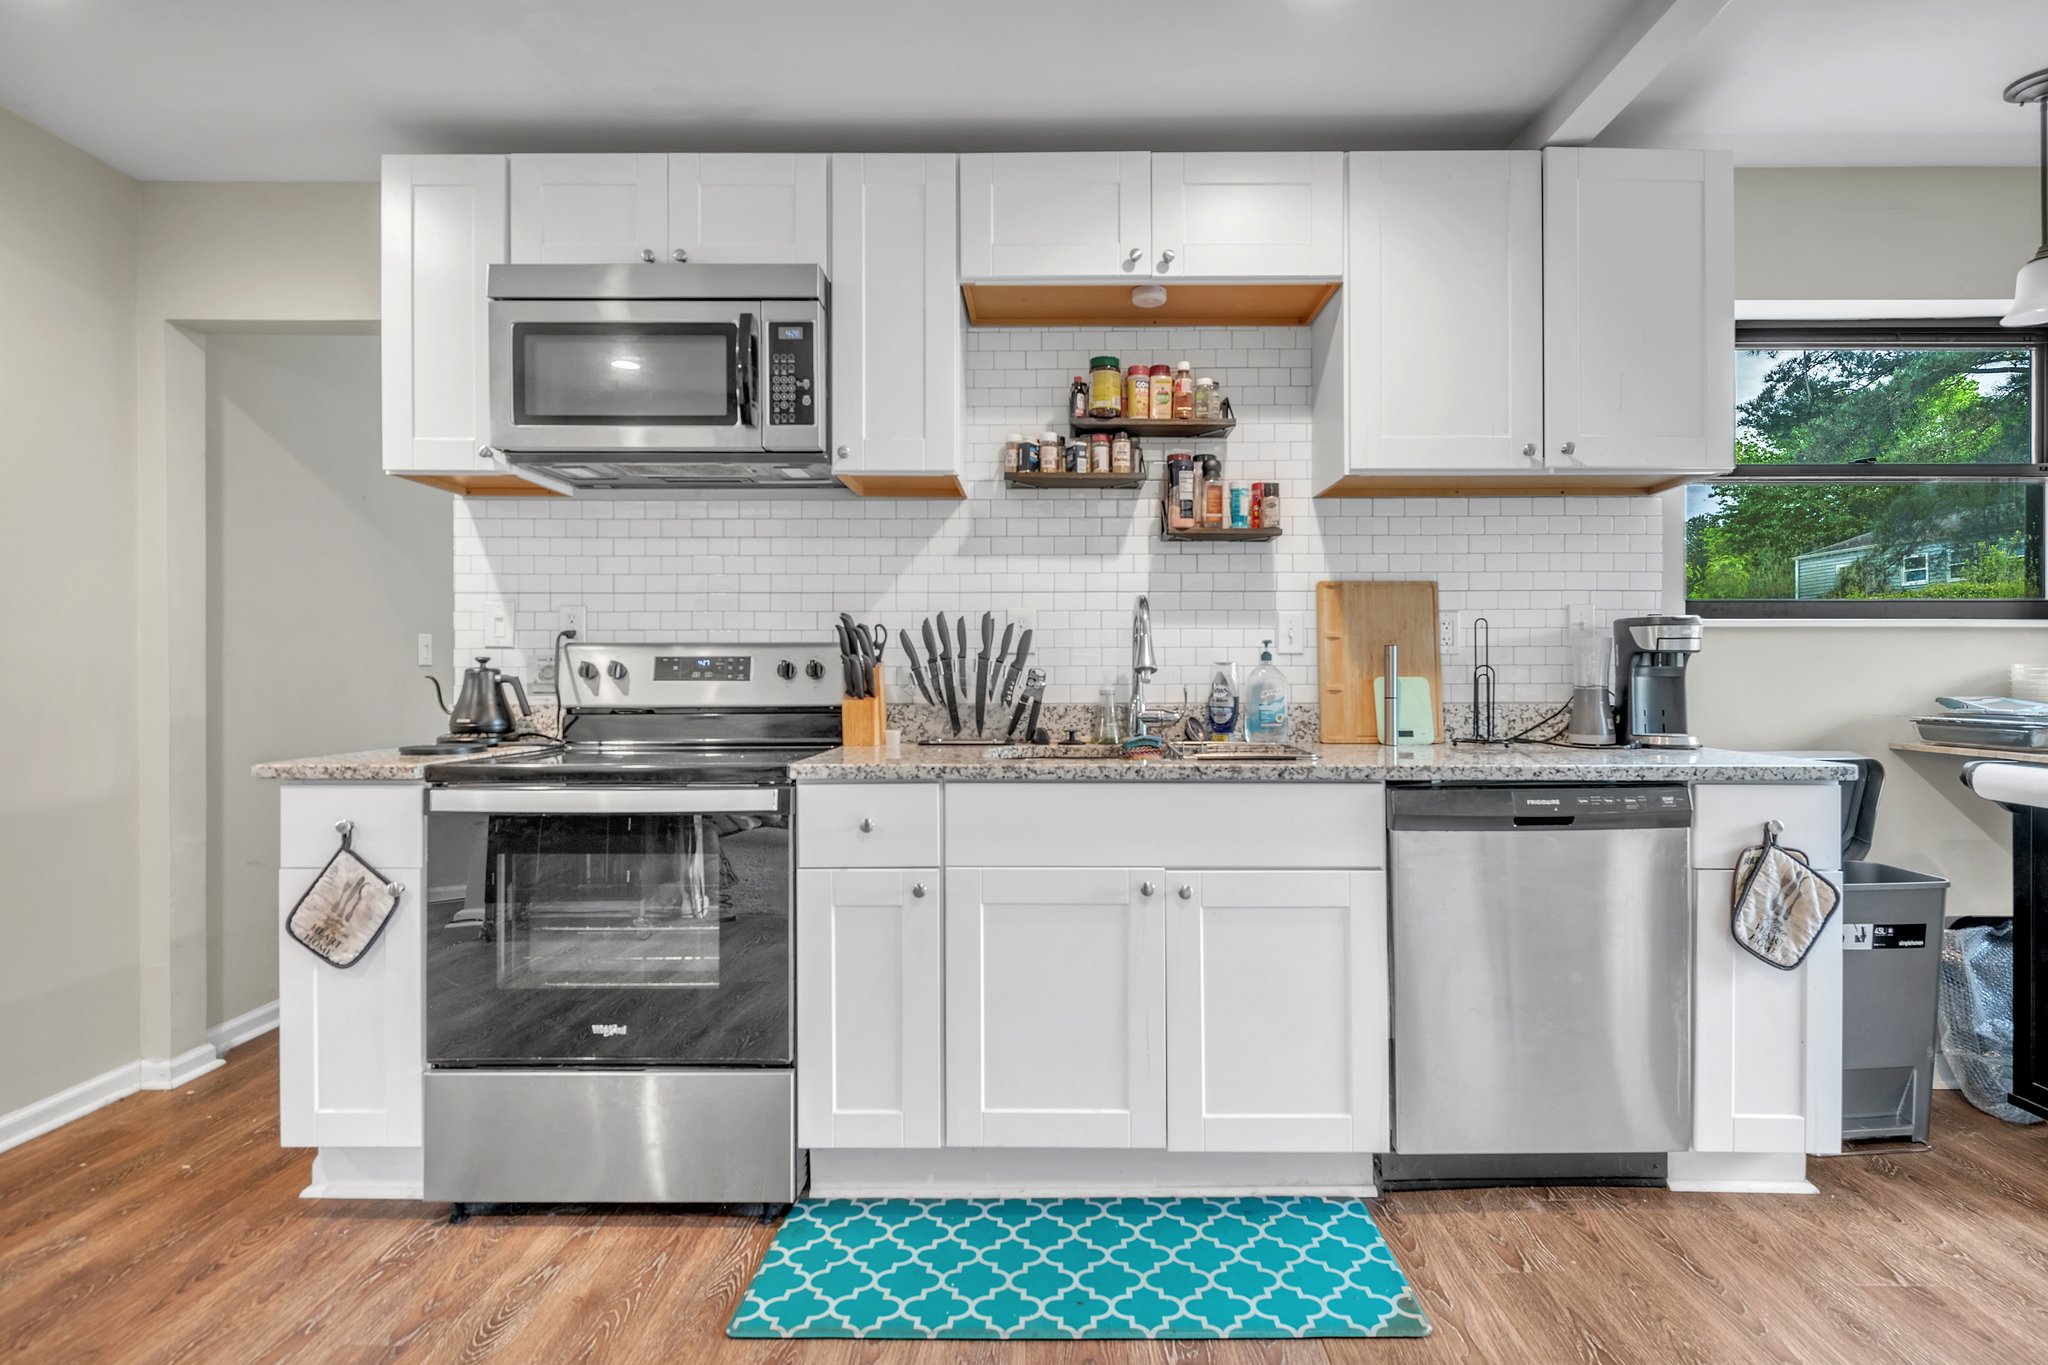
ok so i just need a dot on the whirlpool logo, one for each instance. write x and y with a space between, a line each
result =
609 1030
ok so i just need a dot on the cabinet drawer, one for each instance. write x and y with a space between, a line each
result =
390 822
1728 818
1222 825
874 824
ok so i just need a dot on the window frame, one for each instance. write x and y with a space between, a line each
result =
1956 332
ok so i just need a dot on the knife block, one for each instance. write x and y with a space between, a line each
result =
864 722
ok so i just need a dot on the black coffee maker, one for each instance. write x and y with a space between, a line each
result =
1650 655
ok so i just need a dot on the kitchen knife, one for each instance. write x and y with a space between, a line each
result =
963 656
1034 688
849 672
1016 719
1017 666
946 664
931 649
988 642
995 671
916 669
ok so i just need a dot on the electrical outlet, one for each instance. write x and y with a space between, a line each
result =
1446 631
1292 626
426 651
572 619
498 620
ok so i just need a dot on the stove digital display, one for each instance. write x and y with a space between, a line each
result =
703 668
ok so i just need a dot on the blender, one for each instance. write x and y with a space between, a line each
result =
1592 713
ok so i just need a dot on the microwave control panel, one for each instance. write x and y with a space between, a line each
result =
792 374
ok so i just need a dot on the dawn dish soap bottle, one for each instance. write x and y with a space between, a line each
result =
1265 701
1221 708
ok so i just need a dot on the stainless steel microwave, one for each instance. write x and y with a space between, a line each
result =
660 376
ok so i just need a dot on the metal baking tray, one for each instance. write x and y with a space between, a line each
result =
1984 732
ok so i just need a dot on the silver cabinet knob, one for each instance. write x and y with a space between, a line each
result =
1187 893
647 255
1135 256
1166 258
1568 447
679 255
917 890
1529 451
1146 888
842 452
867 827
617 670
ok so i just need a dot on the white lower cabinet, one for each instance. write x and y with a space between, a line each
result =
868 1026
1277 1023
1055 1007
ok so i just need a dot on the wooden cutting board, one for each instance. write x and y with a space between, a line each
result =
1355 622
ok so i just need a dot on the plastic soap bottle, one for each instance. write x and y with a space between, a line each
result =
1265 701
1222 706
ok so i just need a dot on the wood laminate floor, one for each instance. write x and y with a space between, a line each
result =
168 1227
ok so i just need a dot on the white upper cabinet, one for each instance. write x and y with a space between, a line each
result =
1063 215
1639 305
750 209
898 341
1443 303
443 227
589 209
1247 215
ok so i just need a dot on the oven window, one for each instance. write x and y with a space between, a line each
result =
633 938
624 374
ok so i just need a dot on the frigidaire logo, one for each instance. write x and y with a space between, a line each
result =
609 1030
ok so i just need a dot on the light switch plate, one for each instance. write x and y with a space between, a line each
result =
498 623
1293 624
1580 616
426 651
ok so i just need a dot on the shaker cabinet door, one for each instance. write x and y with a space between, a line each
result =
442 228
1444 310
1055 215
589 209
1055 1007
1247 215
1638 309
868 991
746 208
1277 1014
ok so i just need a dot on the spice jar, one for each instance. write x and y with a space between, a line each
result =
1078 398
1258 492
1212 512
1098 453
1240 504
1027 455
1184 391
1269 506
1077 456
1120 453
1137 391
1051 452
1162 394
1180 491
1010 449
1105 387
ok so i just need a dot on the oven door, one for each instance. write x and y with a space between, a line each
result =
609 927
611 376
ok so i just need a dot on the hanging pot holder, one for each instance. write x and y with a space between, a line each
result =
345 908
1781 903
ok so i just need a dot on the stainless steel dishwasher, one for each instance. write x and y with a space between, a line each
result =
1542 983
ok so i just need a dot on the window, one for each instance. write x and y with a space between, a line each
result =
1881 470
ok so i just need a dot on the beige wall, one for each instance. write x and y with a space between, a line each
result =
211 258
1894 235
68 793
321 577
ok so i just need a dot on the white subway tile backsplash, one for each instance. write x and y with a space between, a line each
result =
1071 563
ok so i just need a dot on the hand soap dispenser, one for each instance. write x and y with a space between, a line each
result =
1265 701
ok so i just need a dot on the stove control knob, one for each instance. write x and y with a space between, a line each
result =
587 671
815 669
785 670
617 670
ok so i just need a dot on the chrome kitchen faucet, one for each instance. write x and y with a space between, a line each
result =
1143 665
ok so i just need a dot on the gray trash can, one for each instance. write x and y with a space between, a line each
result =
1891 989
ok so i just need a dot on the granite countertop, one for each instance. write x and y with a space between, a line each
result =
1334 763
371 765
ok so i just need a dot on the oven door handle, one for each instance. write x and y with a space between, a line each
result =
589 801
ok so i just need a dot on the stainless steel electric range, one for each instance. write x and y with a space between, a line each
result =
610 964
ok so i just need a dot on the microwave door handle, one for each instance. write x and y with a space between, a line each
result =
746 362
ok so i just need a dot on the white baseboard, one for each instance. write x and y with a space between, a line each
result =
1739 1173
33 1120
957 1172
366 1173
232 1033
159 1073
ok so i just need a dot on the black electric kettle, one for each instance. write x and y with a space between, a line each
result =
480 708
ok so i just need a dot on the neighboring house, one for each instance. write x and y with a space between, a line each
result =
1815 573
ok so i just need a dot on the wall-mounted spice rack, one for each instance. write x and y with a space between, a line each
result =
1209 428
1063 479
1168 532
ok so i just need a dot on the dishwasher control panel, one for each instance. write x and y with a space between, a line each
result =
1539 806
1527 801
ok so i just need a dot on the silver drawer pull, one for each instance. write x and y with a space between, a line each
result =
917 890
1187 893
867 827
1146 888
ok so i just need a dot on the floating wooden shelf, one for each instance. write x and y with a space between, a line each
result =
1048 479
1210 428
1167 532
1263 304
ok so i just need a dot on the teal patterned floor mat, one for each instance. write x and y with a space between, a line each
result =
987 1269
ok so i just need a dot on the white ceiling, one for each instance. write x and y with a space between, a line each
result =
316 89
1850 83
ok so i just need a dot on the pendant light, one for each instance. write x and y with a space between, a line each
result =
2030 292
